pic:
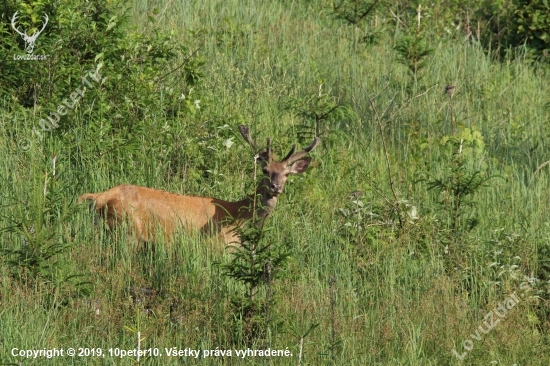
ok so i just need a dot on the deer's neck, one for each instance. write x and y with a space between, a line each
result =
263 204
268 203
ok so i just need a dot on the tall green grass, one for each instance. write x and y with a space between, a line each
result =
399 296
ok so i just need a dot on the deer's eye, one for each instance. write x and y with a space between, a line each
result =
264 170
287 174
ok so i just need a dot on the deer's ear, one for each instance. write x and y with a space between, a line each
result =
300 166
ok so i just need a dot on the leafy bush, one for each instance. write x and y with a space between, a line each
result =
103 89
517 23
530 24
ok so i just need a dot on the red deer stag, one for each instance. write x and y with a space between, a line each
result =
147 209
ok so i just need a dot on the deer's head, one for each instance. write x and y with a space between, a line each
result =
275 173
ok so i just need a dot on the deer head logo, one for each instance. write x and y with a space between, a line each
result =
29 40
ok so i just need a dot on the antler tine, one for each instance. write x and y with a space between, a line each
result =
13 20
289 155
245 132
290 158
46 23
268 148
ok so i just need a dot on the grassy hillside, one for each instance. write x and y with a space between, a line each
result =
425 210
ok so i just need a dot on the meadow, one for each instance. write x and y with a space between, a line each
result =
419 235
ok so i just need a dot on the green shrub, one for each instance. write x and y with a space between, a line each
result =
117 88
518 23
